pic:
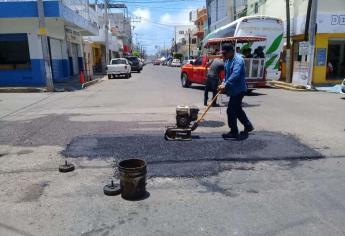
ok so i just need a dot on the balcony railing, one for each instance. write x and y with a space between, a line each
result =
255 68
82 8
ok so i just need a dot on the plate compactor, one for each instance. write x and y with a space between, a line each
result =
186 121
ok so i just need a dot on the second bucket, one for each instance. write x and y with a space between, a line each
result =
132 179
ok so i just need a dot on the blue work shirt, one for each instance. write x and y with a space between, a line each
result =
235 81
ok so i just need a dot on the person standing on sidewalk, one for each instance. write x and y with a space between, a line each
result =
215 66
235 87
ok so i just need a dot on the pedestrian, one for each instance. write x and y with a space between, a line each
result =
215 66
235 87
247 52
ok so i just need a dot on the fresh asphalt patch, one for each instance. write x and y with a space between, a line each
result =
205 155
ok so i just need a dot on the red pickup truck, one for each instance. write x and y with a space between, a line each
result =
197 72
194 73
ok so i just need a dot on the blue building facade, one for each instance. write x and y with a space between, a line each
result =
21 58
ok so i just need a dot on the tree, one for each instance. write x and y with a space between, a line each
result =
136 53
178 56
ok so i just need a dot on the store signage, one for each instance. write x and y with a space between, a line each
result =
338 20
303 48
331 23
321 56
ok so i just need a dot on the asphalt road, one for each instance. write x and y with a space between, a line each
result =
285 179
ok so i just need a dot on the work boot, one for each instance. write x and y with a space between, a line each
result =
248 129
230 135
215 105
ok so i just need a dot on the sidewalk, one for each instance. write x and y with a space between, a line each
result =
66 86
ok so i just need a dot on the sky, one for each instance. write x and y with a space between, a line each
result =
158 18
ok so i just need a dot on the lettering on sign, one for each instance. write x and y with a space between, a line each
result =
338 20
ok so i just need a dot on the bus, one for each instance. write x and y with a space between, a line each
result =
263 26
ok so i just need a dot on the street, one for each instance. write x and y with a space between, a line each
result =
287 178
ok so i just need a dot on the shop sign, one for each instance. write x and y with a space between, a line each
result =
326 23
303 48
338 20
331 23
300 73
321 56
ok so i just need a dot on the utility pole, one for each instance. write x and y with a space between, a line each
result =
288 43
175 41
45 48
106 30
312 32
189 41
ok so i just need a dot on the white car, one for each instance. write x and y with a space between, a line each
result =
176 63
343 86
119 67
190 61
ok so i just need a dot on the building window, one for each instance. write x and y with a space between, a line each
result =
181 32
256 8
194 41
336 59
14 52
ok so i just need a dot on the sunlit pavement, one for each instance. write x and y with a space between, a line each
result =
285 179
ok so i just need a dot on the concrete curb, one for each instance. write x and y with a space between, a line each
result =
22 90
289 86
89 83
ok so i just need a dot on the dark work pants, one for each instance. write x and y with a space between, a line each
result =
235 112
211 86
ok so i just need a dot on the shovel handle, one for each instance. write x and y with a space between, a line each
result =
208 107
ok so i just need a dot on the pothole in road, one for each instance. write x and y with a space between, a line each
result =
205 156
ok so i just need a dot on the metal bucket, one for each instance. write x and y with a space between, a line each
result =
132 179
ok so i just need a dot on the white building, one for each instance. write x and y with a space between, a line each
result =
223 12
21 57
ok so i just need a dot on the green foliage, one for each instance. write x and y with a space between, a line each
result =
178 56
136 53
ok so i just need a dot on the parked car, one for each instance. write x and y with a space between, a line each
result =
343 86
157 62
190 61
135 63
119 67
169 62
176 63
142 62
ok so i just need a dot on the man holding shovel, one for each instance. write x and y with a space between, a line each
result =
235 87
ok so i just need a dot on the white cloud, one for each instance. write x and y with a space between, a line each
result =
144 16
180 18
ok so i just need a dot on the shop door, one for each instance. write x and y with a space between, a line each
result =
336 59
74 55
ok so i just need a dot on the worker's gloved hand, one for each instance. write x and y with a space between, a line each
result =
221 88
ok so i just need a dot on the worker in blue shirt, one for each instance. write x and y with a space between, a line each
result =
235 87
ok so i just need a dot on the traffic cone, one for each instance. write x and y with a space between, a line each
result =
81 77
